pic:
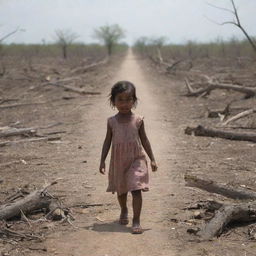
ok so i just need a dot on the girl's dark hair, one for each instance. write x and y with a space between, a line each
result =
120 87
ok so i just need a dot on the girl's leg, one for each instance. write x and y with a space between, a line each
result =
122 199
137 205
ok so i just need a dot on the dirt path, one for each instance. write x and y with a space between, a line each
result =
100 234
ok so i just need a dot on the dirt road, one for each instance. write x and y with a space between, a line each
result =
80 120
101 234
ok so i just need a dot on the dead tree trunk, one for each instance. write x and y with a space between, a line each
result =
37 200
243 212
222 189
34 201
240 115
15 131
207 132
249 92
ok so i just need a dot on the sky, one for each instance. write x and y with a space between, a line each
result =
177 20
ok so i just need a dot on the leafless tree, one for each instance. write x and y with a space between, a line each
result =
236 22
65 38
10 34
110 35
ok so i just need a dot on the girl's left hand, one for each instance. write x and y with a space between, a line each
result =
153 166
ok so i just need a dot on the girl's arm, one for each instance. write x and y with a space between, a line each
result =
105 150
146 145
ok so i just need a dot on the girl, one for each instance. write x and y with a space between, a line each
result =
128 165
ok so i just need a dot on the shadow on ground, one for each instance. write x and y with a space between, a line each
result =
111 227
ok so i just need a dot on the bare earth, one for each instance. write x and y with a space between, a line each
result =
105 236
76 160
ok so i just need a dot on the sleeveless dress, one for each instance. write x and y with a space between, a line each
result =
128 169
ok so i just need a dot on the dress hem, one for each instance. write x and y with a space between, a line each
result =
143 189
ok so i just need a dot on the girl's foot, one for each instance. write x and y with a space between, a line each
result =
137 229
123 220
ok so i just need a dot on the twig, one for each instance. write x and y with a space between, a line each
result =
23 216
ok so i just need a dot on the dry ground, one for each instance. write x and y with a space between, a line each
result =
81 123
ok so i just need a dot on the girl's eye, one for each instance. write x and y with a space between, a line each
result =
125 100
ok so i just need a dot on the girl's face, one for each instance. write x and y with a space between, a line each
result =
124 102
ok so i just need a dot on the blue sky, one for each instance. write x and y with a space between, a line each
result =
178 20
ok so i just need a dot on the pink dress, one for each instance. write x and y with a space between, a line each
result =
128 169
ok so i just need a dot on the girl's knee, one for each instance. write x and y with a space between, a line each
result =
136 192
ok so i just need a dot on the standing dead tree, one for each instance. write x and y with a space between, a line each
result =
110 35
9 34
237 23
64 39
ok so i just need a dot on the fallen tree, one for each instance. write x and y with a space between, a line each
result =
9 131
73 89
37 200
208 132
13 142
240 212
89 67
240 115
210 86
218 188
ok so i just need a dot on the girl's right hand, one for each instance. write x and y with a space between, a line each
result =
154 166
102 168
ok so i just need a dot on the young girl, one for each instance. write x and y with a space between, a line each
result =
128 165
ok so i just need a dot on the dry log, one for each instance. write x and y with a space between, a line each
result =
222 189
244 212
11 233
207 132
89 67
73 89
22 105
37 200
6 100
240 115
170 67
210 205
17 131
34 201
218 112
248 91
9 163
6 143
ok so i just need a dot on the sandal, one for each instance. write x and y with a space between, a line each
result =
123 220
137 230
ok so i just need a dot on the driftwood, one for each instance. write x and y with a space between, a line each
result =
243 212
210 85
208 132
15 131
240 115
